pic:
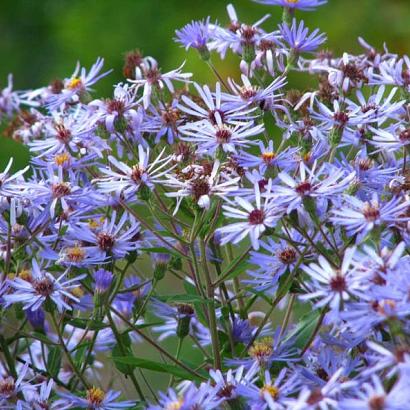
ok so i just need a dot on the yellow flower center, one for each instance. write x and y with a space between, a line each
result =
77 292
292 1
62 159
75 254
95 223
262 349
25 274
268 156
175 405
95 396
271 390
74 83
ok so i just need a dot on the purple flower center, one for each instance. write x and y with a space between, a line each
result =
105 241
44 287
256 217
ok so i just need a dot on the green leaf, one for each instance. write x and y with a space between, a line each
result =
182 299
54 361
87 324
303 330
154 366
199 308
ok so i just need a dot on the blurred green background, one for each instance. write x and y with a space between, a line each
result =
41 40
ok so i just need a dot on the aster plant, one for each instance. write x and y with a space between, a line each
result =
240 244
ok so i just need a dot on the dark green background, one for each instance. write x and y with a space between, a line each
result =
42 40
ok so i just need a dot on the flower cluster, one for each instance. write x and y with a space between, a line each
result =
263 230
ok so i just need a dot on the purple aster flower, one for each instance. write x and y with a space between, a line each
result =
268 158
111 239
42 398
128 180
320 184
392 139
381 358
332 286
74 87
213 108
209 138
149 76
298 39
226 384
97 399
180 320
201 186
36 318
272 394
195 35
324 397
360 217
202 397
9 100
307 5
116 112
256 218
42 286
103 280
250 94
10 184
271 265
373 395
11 390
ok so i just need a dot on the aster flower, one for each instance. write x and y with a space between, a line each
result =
149 76
9 100
297 37
97 399
271 265
257 218
56 193
321 184
10 184
201 186
11 389
393 71
239 37
180 321
102 280
191 397
226 384
360 217
272 393
195 34
63 134
210 137
213 108
111 239
268 158
127 180
373 395
115 112
74 87
42 286
392 138
254 95
380 108
40 399
307 5
324 397
332 286
382 358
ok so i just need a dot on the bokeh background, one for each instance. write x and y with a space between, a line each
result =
41 40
